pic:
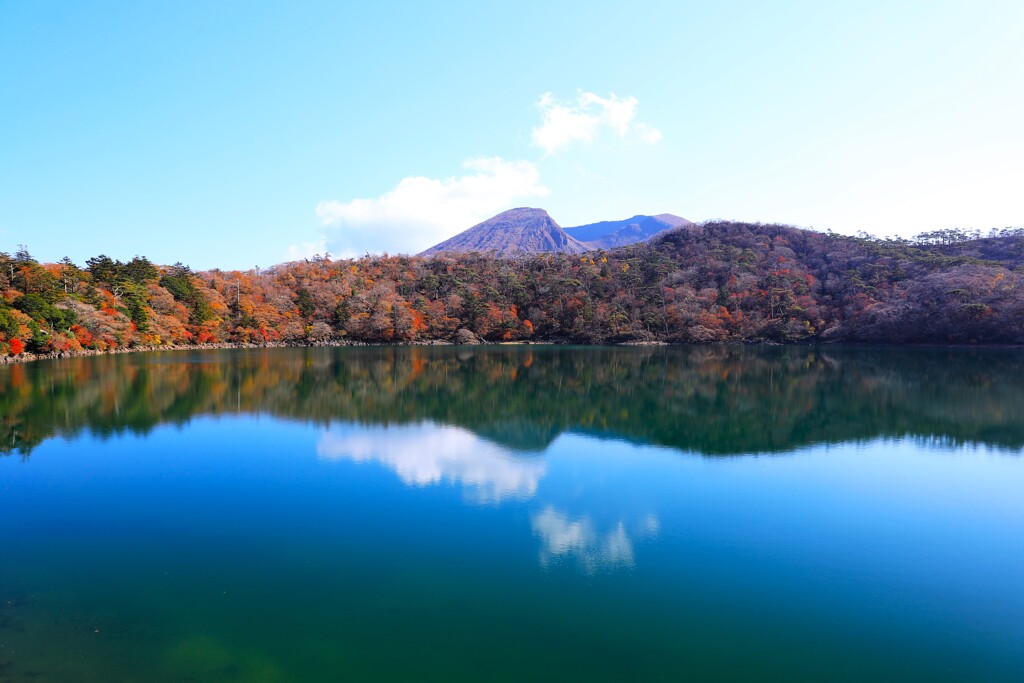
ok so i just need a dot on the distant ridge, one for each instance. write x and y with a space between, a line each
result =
517 231
608 234
530 231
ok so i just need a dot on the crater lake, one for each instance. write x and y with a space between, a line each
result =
514 513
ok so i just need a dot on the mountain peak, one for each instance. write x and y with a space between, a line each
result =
673 220
608 234
522 212
516 231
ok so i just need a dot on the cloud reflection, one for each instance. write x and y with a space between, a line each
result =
563 537
429 453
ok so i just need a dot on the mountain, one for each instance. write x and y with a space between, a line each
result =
608 234
516 231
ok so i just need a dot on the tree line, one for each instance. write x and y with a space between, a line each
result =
716 282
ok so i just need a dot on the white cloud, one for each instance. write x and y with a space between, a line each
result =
420 212
582 119
428 453
648 134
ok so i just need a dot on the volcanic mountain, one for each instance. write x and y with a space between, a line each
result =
516 231
608 234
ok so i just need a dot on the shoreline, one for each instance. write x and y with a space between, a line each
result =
26 357
64 355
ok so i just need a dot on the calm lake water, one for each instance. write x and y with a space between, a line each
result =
514 514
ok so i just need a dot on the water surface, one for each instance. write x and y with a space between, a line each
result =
525 513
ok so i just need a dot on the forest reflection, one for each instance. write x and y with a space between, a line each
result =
723 400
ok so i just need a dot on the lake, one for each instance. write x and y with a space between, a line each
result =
514 514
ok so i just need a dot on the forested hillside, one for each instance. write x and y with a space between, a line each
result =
709 283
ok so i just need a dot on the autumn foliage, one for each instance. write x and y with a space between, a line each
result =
717 282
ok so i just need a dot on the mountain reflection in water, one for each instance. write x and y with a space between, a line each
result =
709 400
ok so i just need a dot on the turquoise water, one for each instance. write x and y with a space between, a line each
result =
524 513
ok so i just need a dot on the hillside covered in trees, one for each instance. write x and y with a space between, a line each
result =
715 282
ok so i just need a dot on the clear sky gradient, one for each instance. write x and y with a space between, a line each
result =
235 134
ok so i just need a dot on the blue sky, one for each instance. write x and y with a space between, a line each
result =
235 134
